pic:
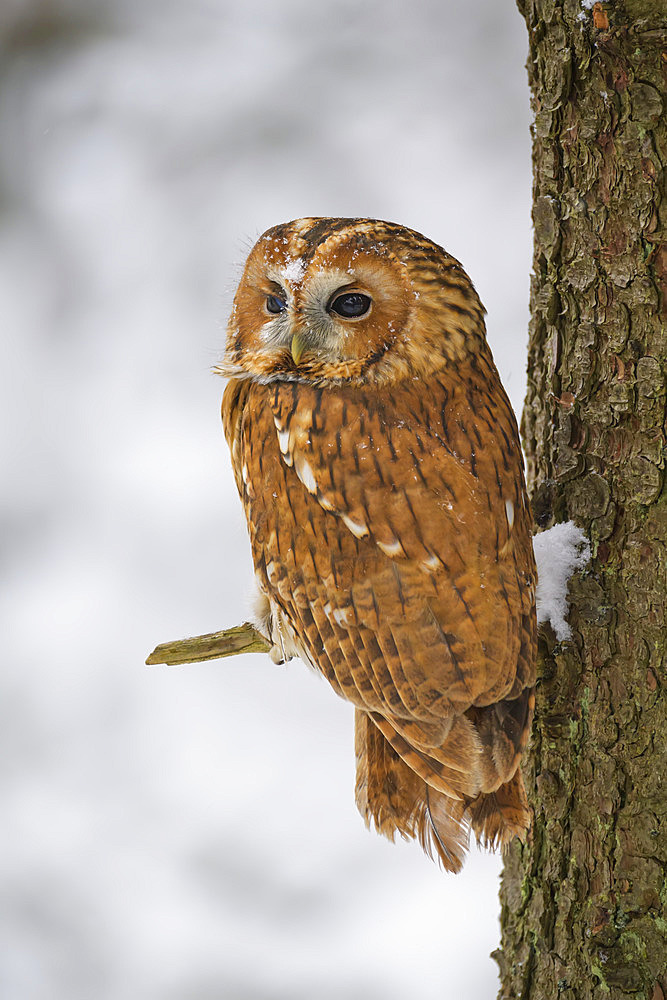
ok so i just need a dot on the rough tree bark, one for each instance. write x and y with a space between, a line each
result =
584 900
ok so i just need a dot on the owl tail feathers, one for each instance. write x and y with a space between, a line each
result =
394 799
442 829
498 817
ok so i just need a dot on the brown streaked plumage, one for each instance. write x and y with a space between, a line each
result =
379 465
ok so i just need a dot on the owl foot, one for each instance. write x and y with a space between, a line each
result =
278 655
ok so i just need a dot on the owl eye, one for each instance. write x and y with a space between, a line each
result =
274 304
350 305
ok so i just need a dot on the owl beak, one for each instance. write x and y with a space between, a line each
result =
297 347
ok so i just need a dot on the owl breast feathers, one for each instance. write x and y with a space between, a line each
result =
378 461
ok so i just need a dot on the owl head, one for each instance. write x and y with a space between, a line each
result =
350 300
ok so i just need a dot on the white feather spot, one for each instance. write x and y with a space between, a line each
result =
327 609
283 441
284 444
432 564
341 616
509 510
244 474
324 502
358 528
392 549
305 474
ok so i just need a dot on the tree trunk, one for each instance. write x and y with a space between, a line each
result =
583 900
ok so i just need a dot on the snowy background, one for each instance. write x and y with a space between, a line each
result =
190 834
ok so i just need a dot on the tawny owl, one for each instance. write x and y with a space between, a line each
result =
378 461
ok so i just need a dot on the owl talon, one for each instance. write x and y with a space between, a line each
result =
278 656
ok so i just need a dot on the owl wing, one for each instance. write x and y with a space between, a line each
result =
380 527
422 605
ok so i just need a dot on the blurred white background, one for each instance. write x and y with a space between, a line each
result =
190 834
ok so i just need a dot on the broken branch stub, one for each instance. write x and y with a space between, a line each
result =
230 642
